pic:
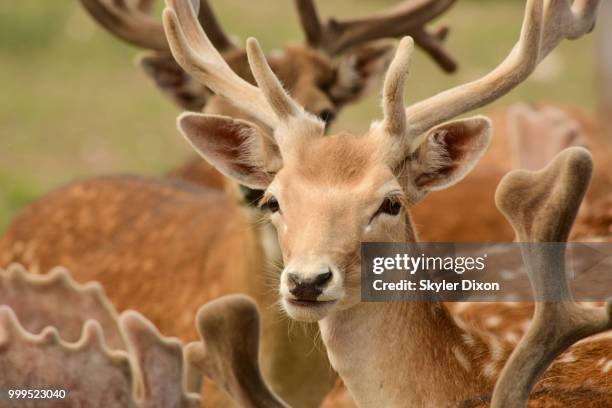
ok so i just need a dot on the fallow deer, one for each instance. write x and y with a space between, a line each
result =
561 361
326 194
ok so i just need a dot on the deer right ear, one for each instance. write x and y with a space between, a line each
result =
448 153
239 149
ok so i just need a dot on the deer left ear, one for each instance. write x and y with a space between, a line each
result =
448 153
359 69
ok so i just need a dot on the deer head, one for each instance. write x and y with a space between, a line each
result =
325 195
334 66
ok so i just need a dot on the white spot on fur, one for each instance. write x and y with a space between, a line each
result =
495 349
462 359
459 322
512 337
607 367
493 321
490 369
568 357
525 325
460 307
469 340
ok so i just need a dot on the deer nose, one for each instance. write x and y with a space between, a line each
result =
309 288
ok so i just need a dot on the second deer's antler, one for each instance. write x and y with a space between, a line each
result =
133 23
406 18
542 206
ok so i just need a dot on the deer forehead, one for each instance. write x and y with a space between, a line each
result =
338 166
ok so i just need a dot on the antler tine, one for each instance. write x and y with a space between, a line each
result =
407 18
228 359
545 25
393 90
541 206
55 299
131 24
159 361
196 54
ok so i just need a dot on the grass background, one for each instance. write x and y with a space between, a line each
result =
73 105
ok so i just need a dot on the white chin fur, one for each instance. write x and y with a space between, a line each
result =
307 314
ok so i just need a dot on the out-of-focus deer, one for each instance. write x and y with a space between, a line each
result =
337 63
328 194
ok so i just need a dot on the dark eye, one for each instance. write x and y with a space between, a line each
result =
390 205
271 205
327 116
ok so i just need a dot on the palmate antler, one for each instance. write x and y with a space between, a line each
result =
58 335
37 302
229 351
542 206
50 339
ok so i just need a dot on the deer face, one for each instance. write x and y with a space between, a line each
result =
326 195
335 193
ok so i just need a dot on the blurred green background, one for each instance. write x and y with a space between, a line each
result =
74 105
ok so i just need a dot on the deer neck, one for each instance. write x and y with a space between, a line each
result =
414 353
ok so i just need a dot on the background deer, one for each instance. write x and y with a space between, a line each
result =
353 189
209 244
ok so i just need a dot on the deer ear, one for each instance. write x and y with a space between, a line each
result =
448 153
359 69
237 148
173 81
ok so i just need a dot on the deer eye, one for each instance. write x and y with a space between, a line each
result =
271 205
390 205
